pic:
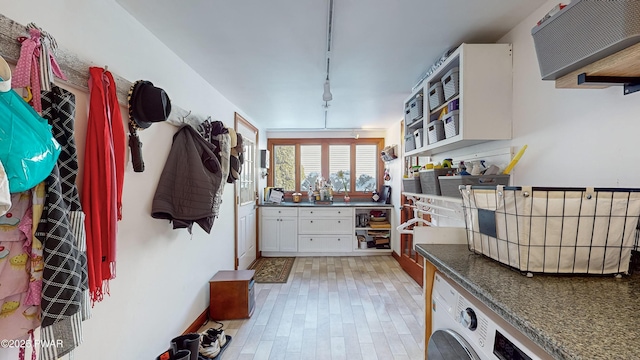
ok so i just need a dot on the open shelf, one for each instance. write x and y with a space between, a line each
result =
446 103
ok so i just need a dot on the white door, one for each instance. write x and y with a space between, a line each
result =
246 196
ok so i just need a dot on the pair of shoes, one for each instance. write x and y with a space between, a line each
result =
219 334
209 346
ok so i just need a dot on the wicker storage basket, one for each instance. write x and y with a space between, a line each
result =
553 230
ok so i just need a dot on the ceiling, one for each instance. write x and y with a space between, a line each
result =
269 57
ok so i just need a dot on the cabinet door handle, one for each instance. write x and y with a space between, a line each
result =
338 212
338 221
338 239
310 212
311 221
279 211
310 239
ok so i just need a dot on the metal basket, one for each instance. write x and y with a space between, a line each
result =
553 230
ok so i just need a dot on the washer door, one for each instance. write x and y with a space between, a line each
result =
447 345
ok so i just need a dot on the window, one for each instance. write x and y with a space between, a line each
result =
366 167
284 167
247 187
310 166
340 161
298 163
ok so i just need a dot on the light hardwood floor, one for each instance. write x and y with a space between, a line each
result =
333 308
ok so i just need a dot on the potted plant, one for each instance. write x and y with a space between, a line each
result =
340 175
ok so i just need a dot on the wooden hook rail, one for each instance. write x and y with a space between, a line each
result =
77 70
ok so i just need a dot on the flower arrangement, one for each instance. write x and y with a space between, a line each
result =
340 175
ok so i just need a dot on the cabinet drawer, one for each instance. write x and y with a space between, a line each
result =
323 243
325 226
272 211
325 212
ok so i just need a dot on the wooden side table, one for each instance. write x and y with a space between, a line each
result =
231 294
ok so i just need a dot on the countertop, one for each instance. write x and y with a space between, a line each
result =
571 317
370 204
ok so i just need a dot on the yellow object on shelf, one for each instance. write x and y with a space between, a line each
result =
514 161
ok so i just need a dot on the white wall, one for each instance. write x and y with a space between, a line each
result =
162 274
575 137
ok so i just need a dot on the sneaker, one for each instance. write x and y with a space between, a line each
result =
219 333
209 346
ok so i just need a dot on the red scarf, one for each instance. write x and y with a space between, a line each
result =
104 161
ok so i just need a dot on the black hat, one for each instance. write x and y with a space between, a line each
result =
147 104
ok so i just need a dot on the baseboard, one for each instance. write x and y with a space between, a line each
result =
199 321
395 256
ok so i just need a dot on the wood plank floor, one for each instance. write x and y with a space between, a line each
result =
333 308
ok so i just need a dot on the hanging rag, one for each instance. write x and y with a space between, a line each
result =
36 59
104 164
59 108
62 286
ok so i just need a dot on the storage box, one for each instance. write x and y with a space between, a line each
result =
451 124
435 131
436 97
554 230
584 32
429 180
409 142
415 106
450 83
450 185
412 185
407 114
418 138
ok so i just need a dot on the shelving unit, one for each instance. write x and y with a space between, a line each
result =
368 231
484 98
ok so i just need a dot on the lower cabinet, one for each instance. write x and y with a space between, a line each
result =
324 230
325 243
279 230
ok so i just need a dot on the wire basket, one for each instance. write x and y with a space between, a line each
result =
553 230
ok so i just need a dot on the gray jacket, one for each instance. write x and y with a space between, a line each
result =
189 182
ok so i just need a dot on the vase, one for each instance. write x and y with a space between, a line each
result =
347 198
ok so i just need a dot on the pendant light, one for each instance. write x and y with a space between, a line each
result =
327 96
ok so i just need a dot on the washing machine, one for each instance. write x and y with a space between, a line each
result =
465 329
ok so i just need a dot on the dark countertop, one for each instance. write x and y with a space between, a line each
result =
335 204
571 317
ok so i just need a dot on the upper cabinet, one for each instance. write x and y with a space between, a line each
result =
466 101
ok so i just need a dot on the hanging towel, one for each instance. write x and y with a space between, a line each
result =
59 108
103 178
62 286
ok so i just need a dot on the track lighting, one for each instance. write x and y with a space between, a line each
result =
327 96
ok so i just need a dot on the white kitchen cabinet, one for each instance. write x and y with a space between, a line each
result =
325 243
317 230
484 98
326 230
279 230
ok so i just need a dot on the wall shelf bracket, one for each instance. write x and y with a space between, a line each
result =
631 84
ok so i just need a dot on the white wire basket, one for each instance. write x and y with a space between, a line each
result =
553 230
